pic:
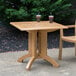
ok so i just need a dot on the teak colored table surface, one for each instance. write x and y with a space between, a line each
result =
37 41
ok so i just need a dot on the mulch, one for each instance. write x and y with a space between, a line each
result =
11 39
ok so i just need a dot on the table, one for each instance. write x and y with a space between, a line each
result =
37 41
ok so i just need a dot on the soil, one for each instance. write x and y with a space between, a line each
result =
11 39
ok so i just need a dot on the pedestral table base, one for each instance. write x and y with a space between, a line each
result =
37 46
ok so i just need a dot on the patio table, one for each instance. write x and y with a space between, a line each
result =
37 40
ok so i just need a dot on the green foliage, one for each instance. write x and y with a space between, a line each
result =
26 10
13 14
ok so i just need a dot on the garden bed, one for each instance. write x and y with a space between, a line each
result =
11 39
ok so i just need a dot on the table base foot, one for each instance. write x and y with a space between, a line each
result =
47 58
23 57
51 60
28 67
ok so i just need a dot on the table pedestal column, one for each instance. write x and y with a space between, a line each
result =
42 43
37 49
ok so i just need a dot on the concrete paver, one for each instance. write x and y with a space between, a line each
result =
10 67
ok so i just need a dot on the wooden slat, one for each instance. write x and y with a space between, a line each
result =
71 26
69 38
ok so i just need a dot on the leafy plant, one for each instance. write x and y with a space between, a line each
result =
26 10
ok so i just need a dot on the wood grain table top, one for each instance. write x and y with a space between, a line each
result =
33 25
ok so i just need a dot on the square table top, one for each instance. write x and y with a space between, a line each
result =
33 25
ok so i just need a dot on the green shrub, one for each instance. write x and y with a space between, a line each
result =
26 10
